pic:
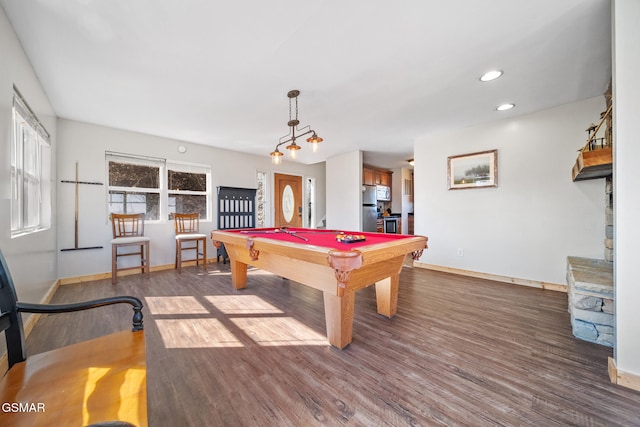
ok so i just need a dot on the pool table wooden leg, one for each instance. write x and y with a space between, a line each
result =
387 295
338 313
238 274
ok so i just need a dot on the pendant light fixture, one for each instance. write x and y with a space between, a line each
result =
291 137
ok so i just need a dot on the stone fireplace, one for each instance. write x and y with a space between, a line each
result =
590 281
591 299
590 287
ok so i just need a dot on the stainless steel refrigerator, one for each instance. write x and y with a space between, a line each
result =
369 209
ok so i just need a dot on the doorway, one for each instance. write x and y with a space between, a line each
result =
288 200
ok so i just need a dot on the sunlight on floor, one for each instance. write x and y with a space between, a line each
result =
175 305
276 331
211 272
195 333
211 332
242 304
259 272
250 270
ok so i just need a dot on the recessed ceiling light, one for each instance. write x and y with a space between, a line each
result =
505 107
490 75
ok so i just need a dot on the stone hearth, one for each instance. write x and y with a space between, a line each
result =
590 290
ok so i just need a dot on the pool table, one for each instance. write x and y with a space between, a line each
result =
317 258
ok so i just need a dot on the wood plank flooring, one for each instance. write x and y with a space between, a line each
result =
460 352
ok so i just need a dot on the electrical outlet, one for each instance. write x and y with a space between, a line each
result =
460 252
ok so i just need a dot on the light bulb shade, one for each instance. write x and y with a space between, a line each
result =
293 149
276 157
314 139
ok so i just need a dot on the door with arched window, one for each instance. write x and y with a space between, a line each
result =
288 200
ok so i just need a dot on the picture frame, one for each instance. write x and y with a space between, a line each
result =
473 170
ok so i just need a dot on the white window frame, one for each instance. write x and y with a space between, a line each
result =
163 191
141 161
191 168
30 171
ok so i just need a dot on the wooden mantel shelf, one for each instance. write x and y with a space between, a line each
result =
593 164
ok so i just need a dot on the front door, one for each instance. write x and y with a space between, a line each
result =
288 203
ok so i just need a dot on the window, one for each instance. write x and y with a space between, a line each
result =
30 171
156 187
261 199
187 189
310 220
134 185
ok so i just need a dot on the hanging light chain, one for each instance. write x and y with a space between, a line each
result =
296 117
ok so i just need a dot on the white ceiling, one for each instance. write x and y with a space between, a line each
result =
374 75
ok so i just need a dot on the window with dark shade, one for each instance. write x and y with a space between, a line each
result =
157 187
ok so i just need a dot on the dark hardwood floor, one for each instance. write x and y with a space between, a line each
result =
461 351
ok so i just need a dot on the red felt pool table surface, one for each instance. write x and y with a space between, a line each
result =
317 259
323 238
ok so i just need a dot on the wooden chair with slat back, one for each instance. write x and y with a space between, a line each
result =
92 382
128 230
188 238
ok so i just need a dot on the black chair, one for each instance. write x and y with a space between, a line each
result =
37 378
11 321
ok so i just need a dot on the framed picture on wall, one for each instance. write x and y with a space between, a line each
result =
473 170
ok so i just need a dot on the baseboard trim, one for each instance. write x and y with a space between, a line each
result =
513 280
102 276
4 364
622 378
613 371
30 322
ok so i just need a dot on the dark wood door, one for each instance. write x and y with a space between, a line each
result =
288 200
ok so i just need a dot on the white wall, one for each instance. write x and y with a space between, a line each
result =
86 144
344 191
626 115
536 217
31 258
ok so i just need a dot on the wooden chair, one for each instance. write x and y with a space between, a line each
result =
128 230
100 382
187 228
